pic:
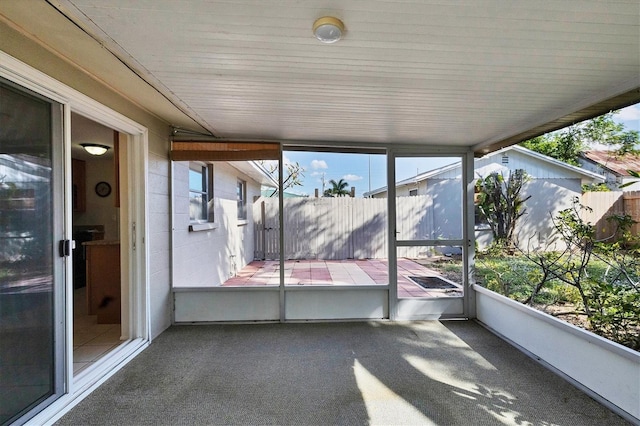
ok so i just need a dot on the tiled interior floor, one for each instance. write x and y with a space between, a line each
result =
91 340
339 272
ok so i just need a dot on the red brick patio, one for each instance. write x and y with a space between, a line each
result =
339 272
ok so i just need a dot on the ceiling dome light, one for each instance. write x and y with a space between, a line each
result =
328 29
94 148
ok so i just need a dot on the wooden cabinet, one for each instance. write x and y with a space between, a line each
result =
79 186
103 280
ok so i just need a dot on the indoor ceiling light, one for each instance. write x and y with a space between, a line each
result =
328 29
94 148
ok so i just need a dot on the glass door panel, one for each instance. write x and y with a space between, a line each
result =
29 290
429 243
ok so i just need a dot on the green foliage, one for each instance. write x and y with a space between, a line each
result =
501 205
564 146
567 144
614 302
633 173
595 187
623 223
516 276
602 280
338 189
508 276
616 313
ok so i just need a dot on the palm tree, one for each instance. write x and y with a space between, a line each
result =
338 189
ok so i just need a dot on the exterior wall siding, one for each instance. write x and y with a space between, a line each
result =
209 258
533 166
159 234
446 195
548 197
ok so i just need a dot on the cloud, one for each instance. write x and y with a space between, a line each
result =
319 164
314 174
629 113
352 178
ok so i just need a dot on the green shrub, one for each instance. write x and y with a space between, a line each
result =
616 313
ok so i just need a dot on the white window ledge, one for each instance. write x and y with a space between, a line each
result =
205 226
242 222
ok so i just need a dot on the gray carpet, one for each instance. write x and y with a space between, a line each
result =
449 373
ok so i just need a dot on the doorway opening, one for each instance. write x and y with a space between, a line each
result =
98 269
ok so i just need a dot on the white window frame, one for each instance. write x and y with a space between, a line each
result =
209 222
241 196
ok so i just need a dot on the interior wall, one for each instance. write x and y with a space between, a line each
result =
19 46
100 210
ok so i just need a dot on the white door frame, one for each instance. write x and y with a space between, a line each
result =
439 308
30 78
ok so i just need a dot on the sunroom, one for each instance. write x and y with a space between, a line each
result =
203 108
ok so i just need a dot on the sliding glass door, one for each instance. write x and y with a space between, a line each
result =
31 268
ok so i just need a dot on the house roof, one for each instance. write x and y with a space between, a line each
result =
617 164
432 174
271 191
578 170
256 171
478 74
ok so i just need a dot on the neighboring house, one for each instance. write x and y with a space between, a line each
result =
552 185
213 213
615 168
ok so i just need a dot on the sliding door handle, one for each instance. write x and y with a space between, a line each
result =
64 248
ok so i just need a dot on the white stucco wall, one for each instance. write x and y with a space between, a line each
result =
447 207
548 198
210 257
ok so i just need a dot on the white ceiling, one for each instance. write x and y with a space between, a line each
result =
479 73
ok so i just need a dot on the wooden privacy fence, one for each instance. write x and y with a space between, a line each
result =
605 204
338 228
631 202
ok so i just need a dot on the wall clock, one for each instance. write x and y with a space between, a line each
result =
103 189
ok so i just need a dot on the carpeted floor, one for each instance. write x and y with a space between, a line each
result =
449 373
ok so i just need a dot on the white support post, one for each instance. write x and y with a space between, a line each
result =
468 232
281 234
391 230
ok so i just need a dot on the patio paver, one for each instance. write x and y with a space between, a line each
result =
337 273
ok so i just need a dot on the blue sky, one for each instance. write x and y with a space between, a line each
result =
357 168
630 117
